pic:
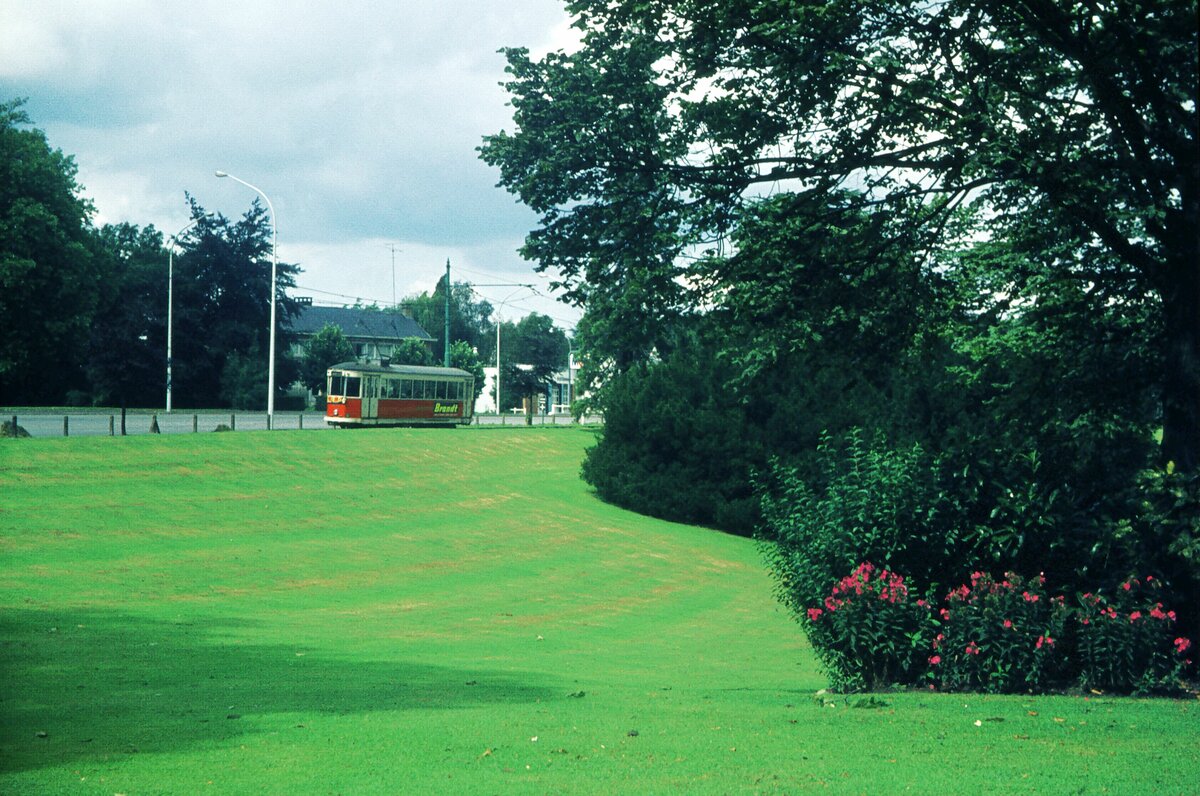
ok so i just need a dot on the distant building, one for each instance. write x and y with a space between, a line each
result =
373 333
555 397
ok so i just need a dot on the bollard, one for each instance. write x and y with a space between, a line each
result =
268 422
65 430
195 424
122 421
112 426
154 425
232 423
301 421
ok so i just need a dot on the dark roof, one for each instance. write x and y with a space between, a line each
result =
358 323
406 370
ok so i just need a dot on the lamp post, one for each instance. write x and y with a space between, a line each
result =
274 268
499 410
171 241
570 375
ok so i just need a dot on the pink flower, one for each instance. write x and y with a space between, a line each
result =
1126 586
1182 645
1007 624
1171 615
972 648
1044 640
921 603
945 614
1029 598
1136 615
1086 621
934 660
814 614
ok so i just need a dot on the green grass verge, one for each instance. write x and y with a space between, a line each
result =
452 611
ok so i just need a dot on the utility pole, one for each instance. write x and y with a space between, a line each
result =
446 345
392 246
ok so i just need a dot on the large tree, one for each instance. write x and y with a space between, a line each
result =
223 306
1071 125
48 286
127 340
469 317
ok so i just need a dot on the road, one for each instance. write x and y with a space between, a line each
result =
93 423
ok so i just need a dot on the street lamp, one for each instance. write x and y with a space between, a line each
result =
171 241
499 410
274 268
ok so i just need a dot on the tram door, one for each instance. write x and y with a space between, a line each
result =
370 400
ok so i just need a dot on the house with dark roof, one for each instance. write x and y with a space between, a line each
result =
373 333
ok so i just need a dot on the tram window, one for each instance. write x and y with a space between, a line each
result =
353 385
441 390
406 388
458 390
335 384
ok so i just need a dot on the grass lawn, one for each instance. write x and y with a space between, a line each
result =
408 611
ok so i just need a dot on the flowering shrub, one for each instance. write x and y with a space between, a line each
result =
1127 640
999 636
867 633
995 636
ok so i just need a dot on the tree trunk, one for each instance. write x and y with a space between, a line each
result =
1181 383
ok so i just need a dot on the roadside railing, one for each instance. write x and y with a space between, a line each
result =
102 422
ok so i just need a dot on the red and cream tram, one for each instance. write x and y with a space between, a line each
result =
398 395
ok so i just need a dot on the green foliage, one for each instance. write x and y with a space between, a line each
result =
675 445
464 357
49 282
223 305
895 508
324 349
412 351
244 380
470 319
128 336
531 351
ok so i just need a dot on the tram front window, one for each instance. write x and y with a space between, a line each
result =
353 385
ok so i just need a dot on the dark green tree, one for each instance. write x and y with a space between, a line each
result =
412 351
223 305
324 349
1074 126
531 350
469 317
49 285
126 347
464 357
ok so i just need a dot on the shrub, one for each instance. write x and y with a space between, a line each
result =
867 633
999 637
1128 642
876 504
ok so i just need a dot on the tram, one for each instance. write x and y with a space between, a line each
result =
360 394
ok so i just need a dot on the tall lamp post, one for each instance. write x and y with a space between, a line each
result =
274 268
171 241
499 409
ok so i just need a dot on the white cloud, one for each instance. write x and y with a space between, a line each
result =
360 121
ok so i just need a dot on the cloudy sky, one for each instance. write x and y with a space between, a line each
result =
359 120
